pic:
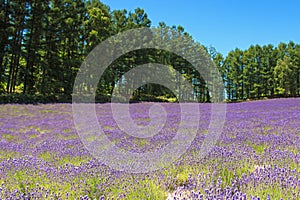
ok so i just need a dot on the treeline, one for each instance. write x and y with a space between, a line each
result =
44 42
261 71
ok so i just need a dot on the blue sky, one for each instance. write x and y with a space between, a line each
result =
225 24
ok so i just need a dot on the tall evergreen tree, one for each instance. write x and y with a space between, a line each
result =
33 36
17 20
5 32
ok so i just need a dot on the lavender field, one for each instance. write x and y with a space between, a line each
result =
256 157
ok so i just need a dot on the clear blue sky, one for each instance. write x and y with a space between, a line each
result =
225 24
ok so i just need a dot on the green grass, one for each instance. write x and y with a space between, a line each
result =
30 179
273 190
258 148
4 155
67 137
179 174
141 143
146 189
228 174
61 161
36 128
8 137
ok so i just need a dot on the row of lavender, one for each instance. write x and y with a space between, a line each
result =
257 156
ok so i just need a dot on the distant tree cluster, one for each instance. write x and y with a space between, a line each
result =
261 71
44 42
